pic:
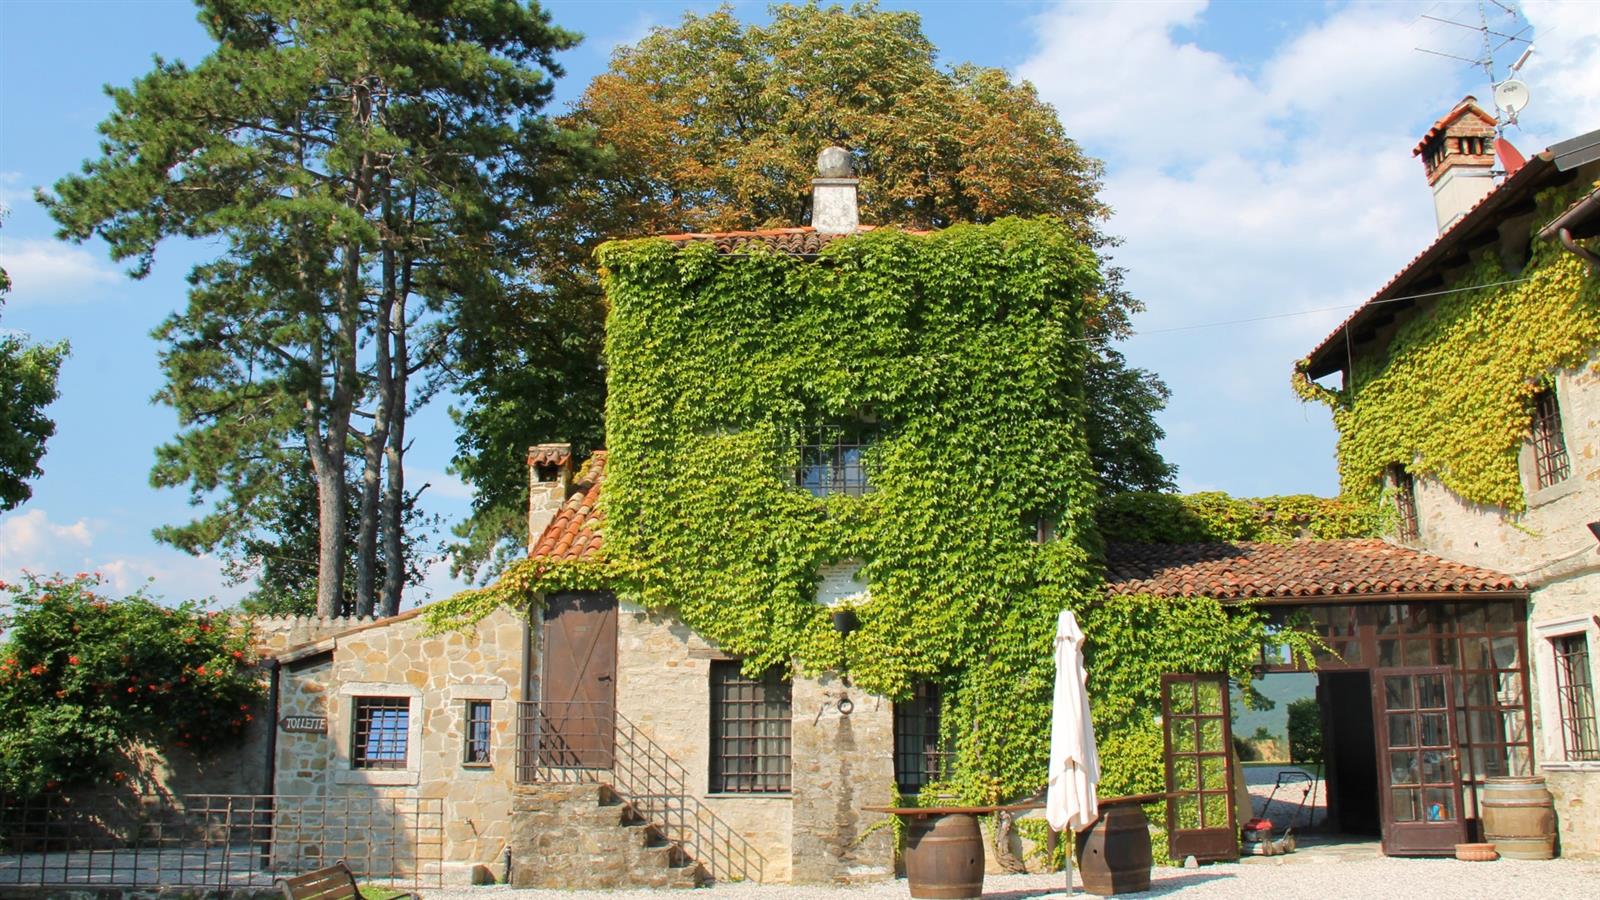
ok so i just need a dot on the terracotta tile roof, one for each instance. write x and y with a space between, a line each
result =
1348 568
804 240
575 531
1468 104
1329 355
549 454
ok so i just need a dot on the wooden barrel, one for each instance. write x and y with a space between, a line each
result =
1519 818
944 857
1114 851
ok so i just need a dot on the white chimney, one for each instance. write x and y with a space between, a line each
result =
833 193
1458 154
549 480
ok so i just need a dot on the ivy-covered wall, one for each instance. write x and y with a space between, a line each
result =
1451 396
1151 518
961 349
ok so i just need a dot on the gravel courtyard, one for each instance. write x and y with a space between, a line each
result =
1266 879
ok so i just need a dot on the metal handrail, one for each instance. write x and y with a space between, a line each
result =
581 741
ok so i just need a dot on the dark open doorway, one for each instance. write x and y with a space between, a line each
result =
1350 751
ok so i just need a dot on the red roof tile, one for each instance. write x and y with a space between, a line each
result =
575 531
549 454
1468 104
1308 568
804 240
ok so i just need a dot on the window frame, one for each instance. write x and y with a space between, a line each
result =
471 742
1552 463
362 708
828 449
1408 530
763 773
918 721
1552 732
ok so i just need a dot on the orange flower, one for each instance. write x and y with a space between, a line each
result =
73 660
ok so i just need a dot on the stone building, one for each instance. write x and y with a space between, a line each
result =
1550 546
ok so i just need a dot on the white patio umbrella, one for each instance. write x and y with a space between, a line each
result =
1070 803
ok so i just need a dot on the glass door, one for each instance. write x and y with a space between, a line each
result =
1418 767
1201 821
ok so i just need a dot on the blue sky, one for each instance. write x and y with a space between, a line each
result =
1258 159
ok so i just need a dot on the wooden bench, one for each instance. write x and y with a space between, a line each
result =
336 882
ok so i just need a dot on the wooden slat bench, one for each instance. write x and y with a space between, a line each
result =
336 882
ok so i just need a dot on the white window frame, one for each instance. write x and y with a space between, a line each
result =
341 722
1552 746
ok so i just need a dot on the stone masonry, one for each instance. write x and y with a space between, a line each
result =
584 837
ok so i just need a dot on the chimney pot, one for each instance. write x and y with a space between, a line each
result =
549 481
833 193
1458 155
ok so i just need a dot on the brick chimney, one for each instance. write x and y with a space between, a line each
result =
833 193
1458 154
549 481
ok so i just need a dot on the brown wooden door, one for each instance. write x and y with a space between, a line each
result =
579 683
1418 770
1201 820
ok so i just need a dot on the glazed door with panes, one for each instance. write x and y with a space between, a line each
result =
1201 820
1418 767
579 683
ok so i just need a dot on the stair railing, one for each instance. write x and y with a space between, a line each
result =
580 741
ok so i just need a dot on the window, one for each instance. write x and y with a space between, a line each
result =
479 720
1550 462
1575 698
918 756
1405 501
382 725
834 460
749 731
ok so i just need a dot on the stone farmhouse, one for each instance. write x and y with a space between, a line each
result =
602 744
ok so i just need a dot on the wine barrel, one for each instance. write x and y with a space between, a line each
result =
1519 817
1114 851
944 857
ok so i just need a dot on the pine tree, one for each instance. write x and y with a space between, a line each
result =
360 163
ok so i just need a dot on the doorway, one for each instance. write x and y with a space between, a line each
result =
578 709
1350 752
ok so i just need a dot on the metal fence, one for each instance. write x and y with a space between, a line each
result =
218 840
592 742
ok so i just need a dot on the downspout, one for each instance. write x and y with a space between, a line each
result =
272 727
1565 235
1583 212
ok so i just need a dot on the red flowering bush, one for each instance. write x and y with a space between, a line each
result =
82 676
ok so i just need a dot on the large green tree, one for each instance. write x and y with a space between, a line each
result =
716 124
363 166
28 374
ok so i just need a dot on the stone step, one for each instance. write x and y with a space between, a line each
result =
587 836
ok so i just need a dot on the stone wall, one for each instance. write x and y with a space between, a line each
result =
437 675
1551 549
839 763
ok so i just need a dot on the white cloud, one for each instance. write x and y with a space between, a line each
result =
29 540
11 191
1248 191
172 576
43 269
440 484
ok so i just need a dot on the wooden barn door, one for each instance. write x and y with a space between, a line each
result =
1201 820
580 677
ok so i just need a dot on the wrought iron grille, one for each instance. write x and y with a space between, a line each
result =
382 725
1405 501
1551 464
556 743
750 731
919 757
836 460
217 840
1575 697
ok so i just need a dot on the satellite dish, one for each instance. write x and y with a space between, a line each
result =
1512 96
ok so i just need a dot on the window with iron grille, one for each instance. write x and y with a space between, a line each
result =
1550 461
750 731
1405 501
382 726
1575 697
834 460
479 722
918 756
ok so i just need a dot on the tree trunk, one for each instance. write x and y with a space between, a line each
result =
394 496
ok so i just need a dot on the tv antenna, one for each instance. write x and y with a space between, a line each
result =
1511 95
